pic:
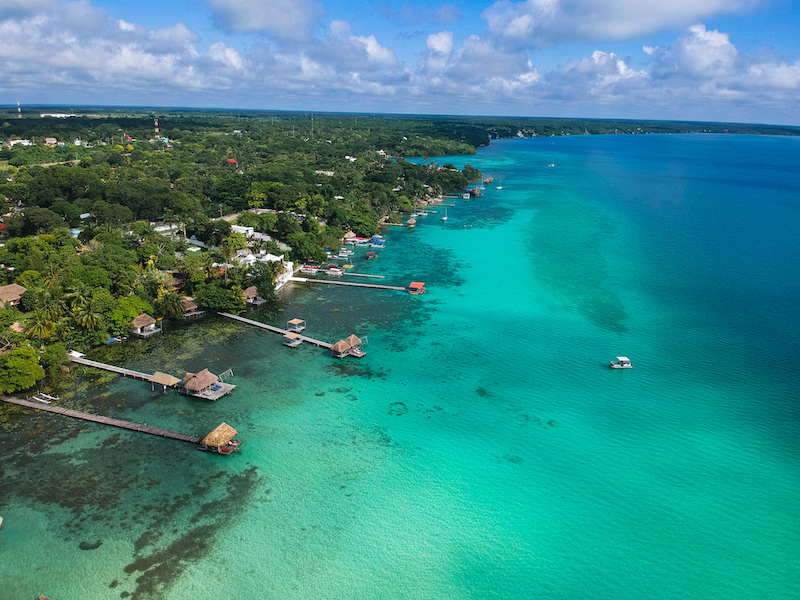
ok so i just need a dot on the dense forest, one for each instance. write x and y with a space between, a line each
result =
100 207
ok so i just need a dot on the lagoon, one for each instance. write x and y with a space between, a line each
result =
482 448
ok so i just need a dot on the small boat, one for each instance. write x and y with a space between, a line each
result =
444 218
371 255
48 396
551 165
622 362
465 196
40 399
1 522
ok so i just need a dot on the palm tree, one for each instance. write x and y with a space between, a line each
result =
40 325
86 317
170 305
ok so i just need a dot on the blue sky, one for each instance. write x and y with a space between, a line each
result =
720 60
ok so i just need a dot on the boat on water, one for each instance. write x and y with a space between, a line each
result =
466 196
371 255
500 186
622 362
48 396
40 399
1 522
444 218
551 165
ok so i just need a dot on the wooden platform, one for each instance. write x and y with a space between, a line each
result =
194 439
319 343
350 283
112 368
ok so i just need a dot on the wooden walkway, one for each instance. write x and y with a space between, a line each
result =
319 343
112 368
194 439
350 283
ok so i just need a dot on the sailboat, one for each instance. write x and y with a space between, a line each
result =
444 218
500 187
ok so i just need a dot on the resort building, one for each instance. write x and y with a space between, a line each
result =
164 379
417 287
10 294
144 326
204 385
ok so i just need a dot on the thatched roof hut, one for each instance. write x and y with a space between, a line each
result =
340 348
349 235
188 304
197 382
223 434
251 292
11 294
143 320
163 379
352 341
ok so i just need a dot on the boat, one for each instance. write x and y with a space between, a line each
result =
333 270
622 362
1 522
40 399
551 165
465 196
48 396
371 255
444 218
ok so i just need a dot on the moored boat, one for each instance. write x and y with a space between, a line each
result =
622 362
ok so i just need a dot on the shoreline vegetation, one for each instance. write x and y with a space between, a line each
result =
113 213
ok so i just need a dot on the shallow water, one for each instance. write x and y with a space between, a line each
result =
482 448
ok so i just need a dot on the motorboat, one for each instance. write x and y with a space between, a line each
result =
444 218
622 362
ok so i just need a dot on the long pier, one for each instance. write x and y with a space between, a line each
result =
112 368
184 437
310 340
350 283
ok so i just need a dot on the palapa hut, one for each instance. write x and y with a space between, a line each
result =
411 222
190 309
164 379
197 383
10 294
144 326
221 440
349 235
351 346
296 325
251 296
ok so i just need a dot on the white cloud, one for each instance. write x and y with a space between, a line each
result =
547 22
376 53
221 53
340 28
284 19
25 8
696 53
441 42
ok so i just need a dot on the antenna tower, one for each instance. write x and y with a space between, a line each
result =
156 122
19 110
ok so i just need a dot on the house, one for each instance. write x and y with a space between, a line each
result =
251 296
204 384
348 347
221 440
144 326
51 141
10 294
417 287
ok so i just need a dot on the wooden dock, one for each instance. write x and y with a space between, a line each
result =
194 439
98 365
310 340
350 283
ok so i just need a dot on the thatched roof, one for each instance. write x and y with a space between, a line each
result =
163 378
292 336
220 436
296 321
349 235
251 292
188 304
11 293
340 346
143 320
17 326
196 382
352 340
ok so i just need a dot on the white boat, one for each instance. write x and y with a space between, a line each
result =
1 522
622 362
551 165
444 218
48 396
466 196
40 399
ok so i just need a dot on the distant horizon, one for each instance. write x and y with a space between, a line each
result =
63 108
707 61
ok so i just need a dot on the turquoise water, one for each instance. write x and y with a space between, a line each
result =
482 448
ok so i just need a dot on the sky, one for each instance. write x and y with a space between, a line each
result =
700 60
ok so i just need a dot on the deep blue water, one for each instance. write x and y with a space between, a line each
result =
482 448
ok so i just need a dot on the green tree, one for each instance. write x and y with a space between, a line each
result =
170 305
40 325
19 369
